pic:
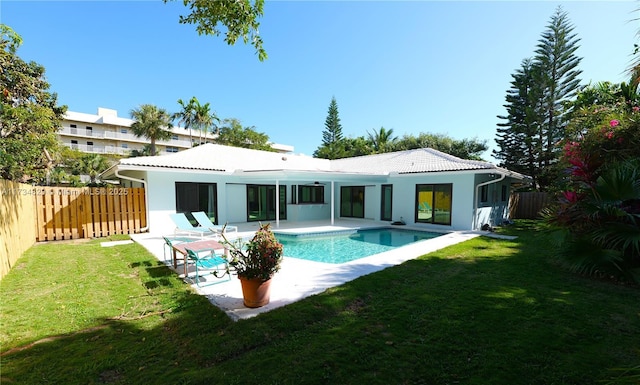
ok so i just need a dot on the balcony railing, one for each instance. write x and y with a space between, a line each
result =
99 149
119 136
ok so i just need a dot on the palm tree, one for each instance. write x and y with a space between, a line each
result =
381 141
185 116
203 118
151 122
196 115
634 69
92 165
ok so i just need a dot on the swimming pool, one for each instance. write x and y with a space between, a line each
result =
345 246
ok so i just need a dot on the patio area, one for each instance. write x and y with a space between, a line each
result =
299 278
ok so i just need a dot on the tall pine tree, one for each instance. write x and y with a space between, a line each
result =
332 140
555 54
519 138
536 120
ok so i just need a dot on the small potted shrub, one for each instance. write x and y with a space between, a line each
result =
255 262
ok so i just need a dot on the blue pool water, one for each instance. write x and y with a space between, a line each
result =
345 246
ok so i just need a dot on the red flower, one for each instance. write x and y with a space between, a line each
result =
570 196
614 123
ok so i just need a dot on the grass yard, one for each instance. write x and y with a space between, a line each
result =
486 311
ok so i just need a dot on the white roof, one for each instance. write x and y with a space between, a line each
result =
411 161
215 157
92 118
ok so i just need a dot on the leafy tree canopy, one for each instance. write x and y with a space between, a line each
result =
239 17
336 146
464 149
29 115
232 133
72 164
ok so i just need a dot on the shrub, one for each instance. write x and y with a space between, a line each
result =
596 219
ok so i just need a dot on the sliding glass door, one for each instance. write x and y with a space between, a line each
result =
261 202
192 197
385 202
433 203
352 201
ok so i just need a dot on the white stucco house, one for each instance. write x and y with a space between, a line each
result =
423 187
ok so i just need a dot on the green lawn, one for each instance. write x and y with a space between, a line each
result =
486 311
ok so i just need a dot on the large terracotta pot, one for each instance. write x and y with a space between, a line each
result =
256 292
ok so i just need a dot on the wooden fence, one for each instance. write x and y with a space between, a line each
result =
17 219
72 213
527 205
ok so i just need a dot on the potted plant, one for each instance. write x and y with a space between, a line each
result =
255 262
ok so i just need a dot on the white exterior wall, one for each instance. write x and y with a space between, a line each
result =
404 198
494 210
234 209
232 206
372 202
309 211
161 190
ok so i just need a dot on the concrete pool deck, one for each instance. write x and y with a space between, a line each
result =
297 278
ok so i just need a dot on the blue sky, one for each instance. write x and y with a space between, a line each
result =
414 66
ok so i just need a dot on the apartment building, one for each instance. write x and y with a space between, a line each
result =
108 133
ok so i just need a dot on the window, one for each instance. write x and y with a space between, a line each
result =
89 146
174 137
311 194
484 193
172 149
73 126
124 145
294 194
352 201
386 199
74 144
123 130
191 197
433 203
89 131
261 202
504 195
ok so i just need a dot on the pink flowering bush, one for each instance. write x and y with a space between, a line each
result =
597 215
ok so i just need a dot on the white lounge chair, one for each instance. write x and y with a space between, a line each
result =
204 221
183 226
